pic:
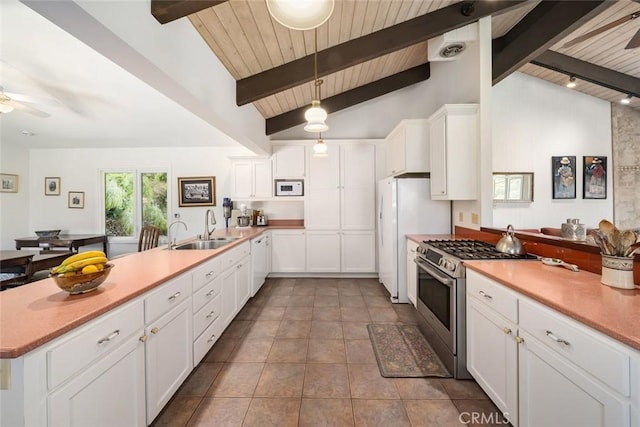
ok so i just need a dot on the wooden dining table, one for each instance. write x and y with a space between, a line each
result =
70 241
26 263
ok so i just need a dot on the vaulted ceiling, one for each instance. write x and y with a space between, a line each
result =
371 47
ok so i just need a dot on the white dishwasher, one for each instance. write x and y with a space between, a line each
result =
259 261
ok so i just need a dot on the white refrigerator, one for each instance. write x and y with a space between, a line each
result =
405 207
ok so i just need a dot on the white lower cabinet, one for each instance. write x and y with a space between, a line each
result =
235 290
543 368
323 251
412 272
288 251
358 251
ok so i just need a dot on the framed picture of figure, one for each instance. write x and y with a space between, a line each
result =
594 184
563 169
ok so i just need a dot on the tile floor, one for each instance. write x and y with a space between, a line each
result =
299 354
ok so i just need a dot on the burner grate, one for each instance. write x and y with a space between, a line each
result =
473 250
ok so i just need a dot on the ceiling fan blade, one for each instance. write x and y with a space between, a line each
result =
602 29
32 99
27 109
634 42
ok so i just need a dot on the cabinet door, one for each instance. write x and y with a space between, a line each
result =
412 272
492 356
358 185
262 182
396 152
438 155
169 356
243 283
553 391
228 296
358 251
110 393
323 248
288 251
242 179
323 195
289 161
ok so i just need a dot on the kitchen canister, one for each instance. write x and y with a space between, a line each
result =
573 230
617 271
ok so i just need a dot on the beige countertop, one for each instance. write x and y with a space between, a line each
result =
38 312
581 296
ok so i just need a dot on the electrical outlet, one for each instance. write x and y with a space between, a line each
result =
474 218
460 216
176 215
5 374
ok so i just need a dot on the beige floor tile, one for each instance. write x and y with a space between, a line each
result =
463 389
276 412
432 413
304 290
288 351
277 301
382 314
326 290
377 301
326 330
351 300
380 413
220 412
355 314
178 412
355 330
222 349
253 350
237 328
249 312
236 380
262 329
200 380
326 380
282 290
281 380
367 383
294 329
420 388
407 313
369 290
326 413
360 351
480 412
326 351
326 301
298 313
271 313
326 313
301 301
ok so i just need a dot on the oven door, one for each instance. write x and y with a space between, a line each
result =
437 301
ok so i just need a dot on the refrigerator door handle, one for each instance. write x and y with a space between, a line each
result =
380 227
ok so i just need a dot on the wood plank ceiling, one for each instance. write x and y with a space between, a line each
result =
249 43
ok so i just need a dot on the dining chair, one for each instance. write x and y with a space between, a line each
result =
149 236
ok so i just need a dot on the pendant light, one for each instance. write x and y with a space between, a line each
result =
316 115
300 14
320 149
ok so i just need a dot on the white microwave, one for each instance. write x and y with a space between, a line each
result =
289 187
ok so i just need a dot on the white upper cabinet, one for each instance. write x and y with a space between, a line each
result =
323 191
453 142
288 161
407 148
251 179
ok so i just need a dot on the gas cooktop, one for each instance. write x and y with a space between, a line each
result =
472 250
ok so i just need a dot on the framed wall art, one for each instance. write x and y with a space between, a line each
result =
8 183
197 191
594 184
564 177
76 199
52 186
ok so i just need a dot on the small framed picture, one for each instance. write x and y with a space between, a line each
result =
76 199
197 191
8 183
52 186
594 184
563 170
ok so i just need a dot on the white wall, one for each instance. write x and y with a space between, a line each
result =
534 120
14 207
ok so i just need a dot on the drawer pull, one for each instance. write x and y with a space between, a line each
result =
109 337
506 330
143 338
208 294
154 331
239 266
556 339
210 315
487 296
209 273
519 340
174 296
212 338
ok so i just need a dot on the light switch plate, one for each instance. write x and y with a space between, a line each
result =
474 218
460 216
5 374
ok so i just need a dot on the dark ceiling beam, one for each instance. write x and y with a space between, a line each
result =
352 97
541 28
589 72
169 10
367 47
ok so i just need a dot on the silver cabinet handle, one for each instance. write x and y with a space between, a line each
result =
210 315
556 339
174 296
212 338
506 330
154 331
519 340
487 296
208 294
143 338
209 273
109 337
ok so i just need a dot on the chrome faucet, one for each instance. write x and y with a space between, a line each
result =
207 233
172 243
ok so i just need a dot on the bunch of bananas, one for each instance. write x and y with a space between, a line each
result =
82 263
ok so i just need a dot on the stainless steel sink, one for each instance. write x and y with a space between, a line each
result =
213 243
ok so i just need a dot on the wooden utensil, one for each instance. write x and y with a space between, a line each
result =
627 238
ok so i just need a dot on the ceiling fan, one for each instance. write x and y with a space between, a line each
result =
10 101
633 43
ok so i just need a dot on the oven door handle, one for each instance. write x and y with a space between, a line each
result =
433 272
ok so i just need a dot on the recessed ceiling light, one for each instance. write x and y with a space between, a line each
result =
27 133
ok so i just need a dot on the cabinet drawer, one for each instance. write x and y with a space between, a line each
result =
493 295
205 316
234 255
97 339
206 273
590 350
208 338
168 295
206 294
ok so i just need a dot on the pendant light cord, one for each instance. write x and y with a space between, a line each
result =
317 82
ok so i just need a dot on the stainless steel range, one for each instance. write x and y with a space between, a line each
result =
441 290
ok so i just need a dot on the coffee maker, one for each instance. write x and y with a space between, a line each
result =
227 206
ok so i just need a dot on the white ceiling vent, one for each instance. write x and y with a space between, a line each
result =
448 46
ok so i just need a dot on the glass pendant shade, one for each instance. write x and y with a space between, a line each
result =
300 14
315 117
320 148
